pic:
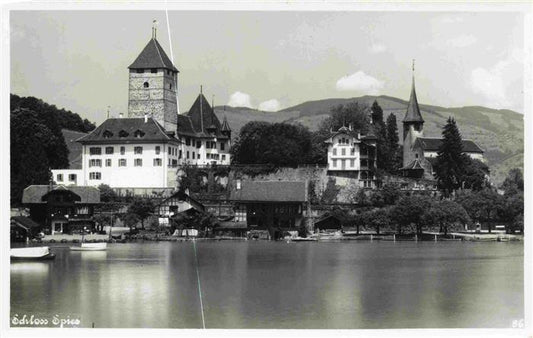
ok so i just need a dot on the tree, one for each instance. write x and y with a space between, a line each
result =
445 214
131 220
409 210
32 150
142 207
380 129
475 174
394 158
107 194
379 219
278 144
451 160
514 182
482 206
352 114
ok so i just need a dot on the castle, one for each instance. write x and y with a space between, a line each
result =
144 149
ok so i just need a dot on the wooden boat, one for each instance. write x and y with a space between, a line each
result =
90 247
31 254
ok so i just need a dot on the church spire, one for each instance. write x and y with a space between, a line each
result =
413 111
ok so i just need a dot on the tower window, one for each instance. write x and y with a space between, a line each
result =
146 84
170 85
154 70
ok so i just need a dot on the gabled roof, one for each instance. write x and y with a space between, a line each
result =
153 56
433 144
413 165
115 127
34 193
413 111
25 222
271 191
185 125
203 117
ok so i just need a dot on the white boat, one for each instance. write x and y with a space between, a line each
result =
35 253
90 247
302 239
326 236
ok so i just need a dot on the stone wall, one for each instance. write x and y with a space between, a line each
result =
158 99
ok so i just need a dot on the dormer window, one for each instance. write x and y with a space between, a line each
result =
107 134
138 133
123 133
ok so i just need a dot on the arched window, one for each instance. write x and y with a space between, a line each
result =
146 84
123 133
138 133
107 134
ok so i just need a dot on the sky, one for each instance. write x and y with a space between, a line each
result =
78 60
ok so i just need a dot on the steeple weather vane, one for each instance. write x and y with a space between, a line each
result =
154 29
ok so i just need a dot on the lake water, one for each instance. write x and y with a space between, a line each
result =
259 284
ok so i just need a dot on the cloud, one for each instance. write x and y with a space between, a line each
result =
239 99
270 105
490 83
378 48
462 41
359 81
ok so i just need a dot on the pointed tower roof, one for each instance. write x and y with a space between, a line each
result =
225 124
413 111
153 56
203 117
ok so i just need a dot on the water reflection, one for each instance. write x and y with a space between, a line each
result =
279 285
34 268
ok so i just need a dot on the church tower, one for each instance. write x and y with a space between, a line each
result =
153 85
413 125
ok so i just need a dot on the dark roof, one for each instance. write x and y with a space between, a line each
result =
74 148
433 144
34 193
225 124
203 117
153 131
413 111
413 165
25 222
182 196
326 218
153 56
271 191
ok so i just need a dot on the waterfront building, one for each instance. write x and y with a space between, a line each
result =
419 150
328 222
349 152
274 206
141 152
61 209
178 203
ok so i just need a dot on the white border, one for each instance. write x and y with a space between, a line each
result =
478 6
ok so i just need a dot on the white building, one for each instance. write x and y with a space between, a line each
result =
145 150
349 151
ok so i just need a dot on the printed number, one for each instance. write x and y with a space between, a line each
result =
518 324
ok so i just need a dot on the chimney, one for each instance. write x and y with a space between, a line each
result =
358 135
145 118
350 127
238 184
120 115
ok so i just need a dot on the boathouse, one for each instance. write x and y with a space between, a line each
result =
62 209
275 206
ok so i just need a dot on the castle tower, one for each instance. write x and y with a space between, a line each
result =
413 125
153 85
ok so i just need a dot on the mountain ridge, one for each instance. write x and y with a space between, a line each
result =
500 132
